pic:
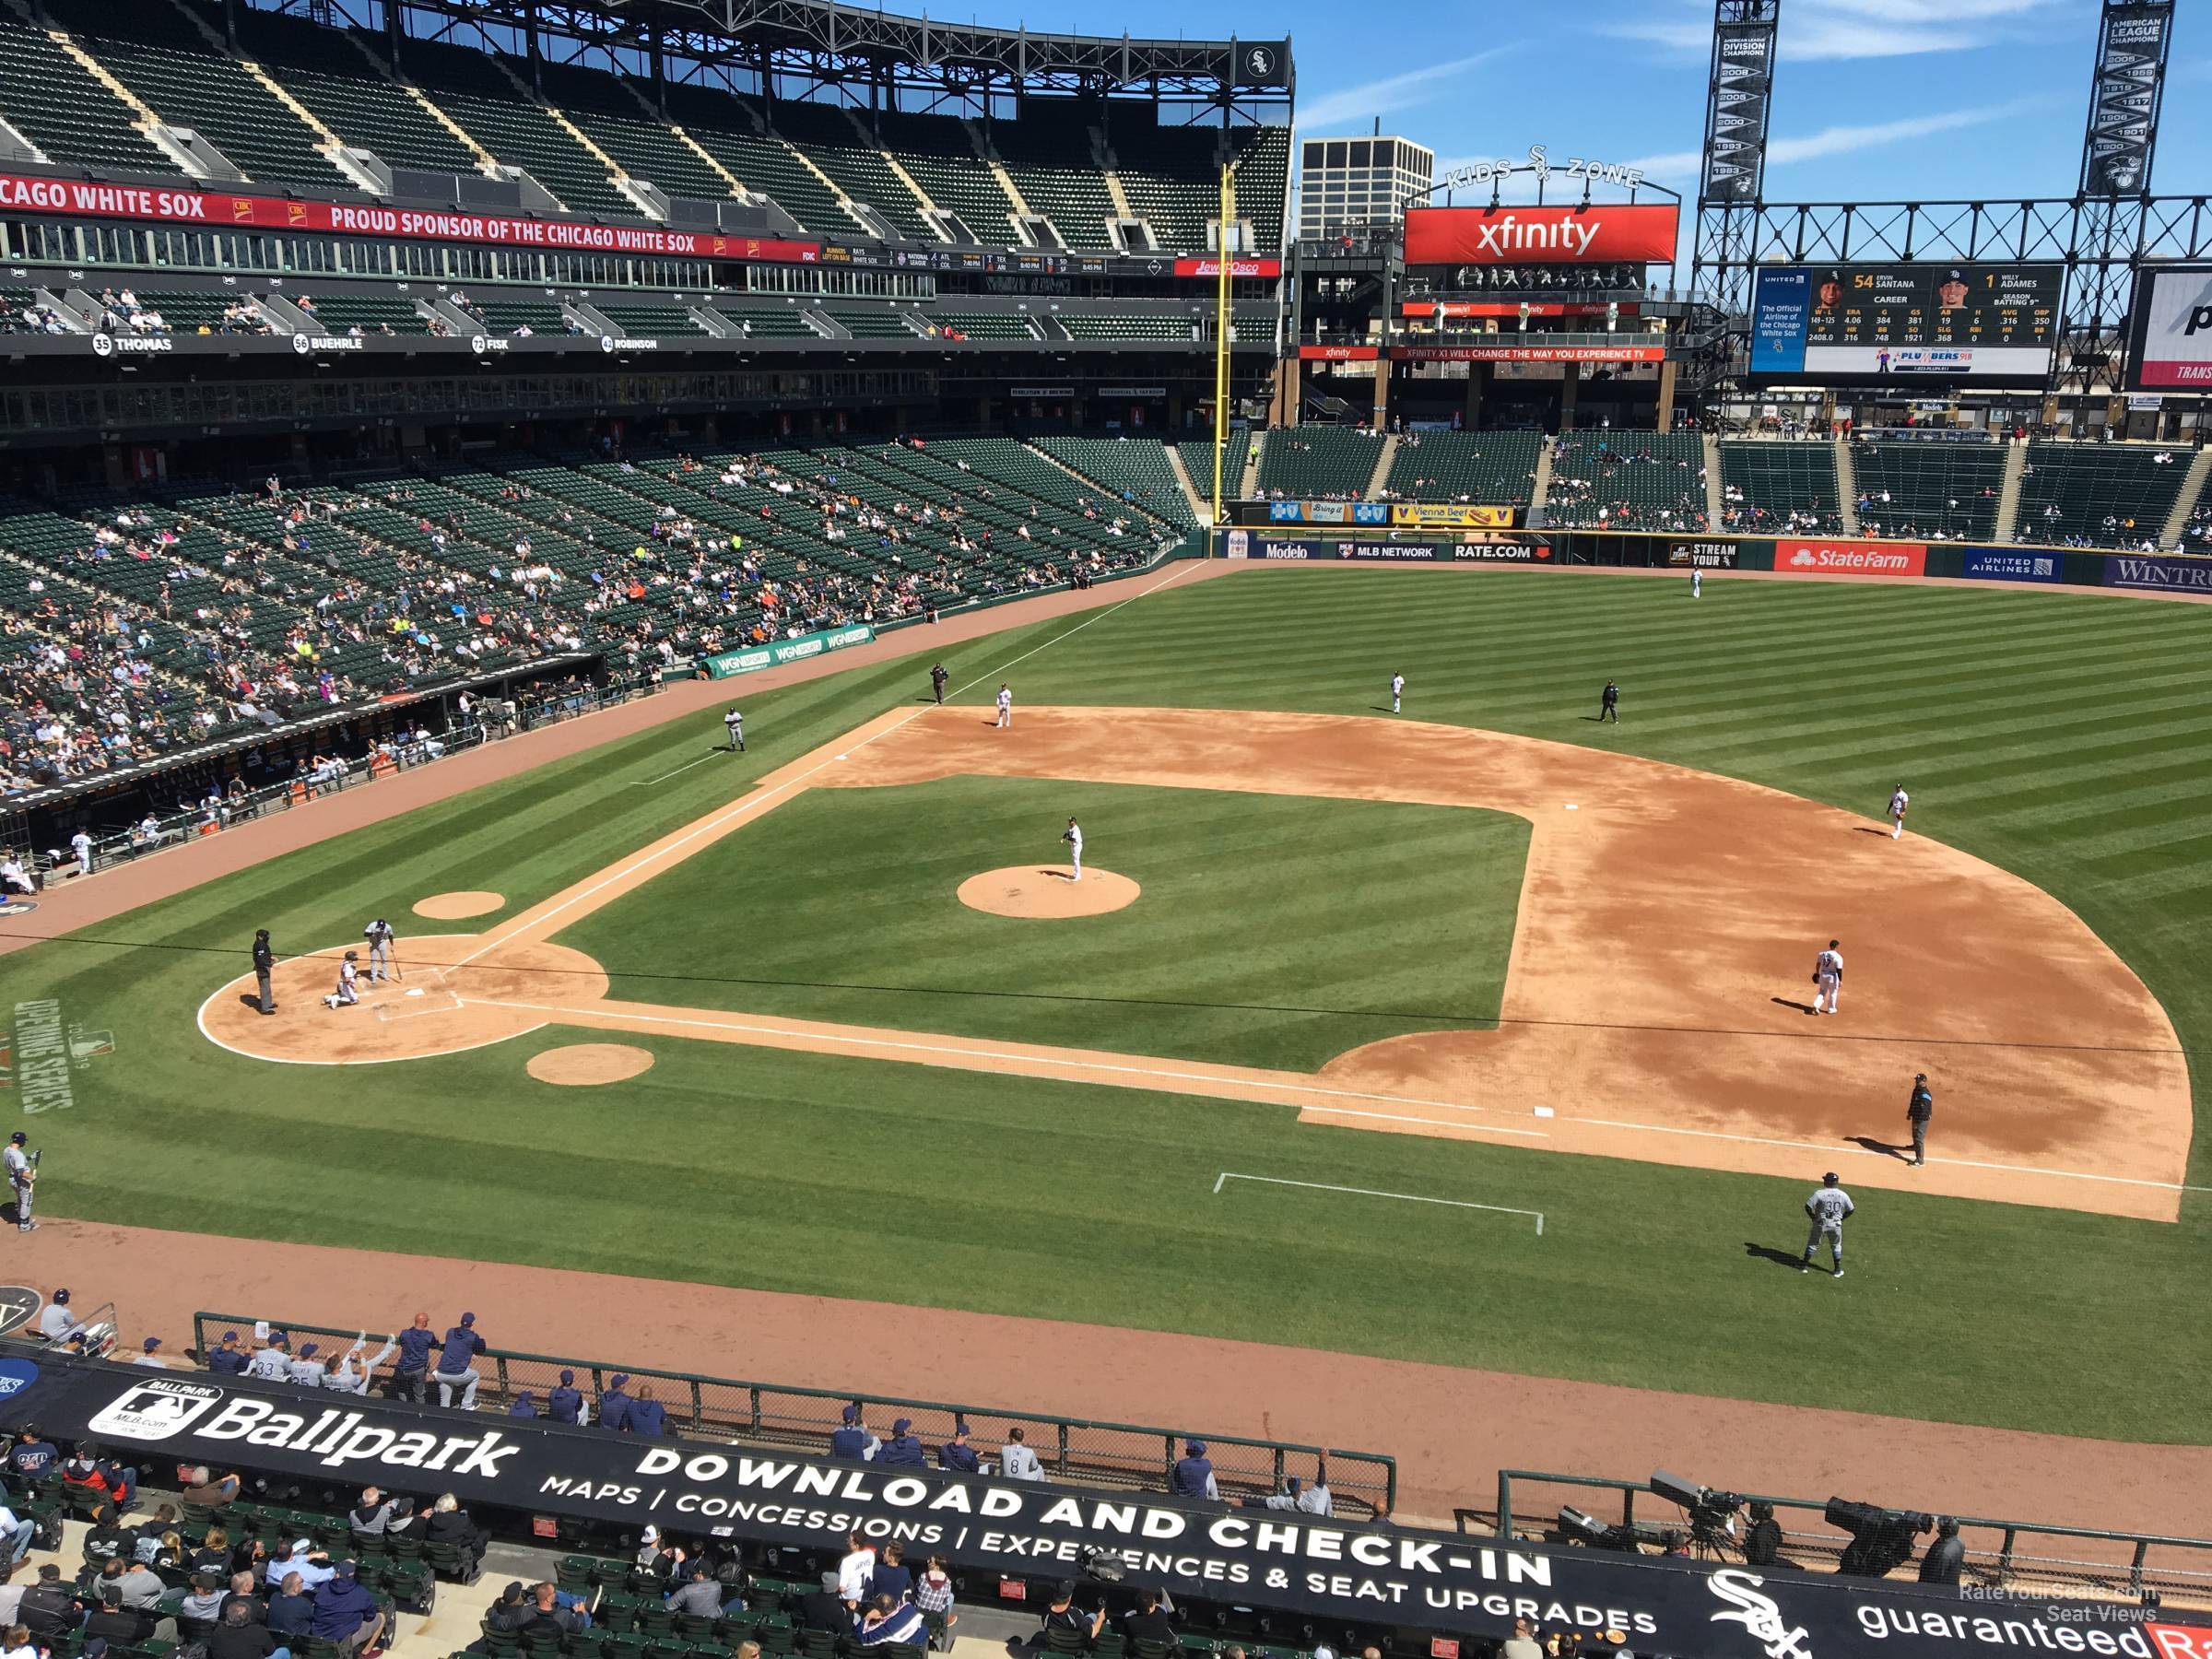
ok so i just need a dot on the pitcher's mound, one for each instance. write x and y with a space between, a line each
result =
448 907
585 1063
1046 890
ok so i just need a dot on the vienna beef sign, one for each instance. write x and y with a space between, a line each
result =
216 210
1359 1573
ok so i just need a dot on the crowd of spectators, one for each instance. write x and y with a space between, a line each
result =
1613 483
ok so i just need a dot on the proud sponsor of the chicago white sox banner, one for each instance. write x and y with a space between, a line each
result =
1333 1569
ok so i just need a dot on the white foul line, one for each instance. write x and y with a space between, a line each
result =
1229 1175
686 766
761 797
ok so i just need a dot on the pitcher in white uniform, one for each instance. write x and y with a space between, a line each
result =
1006 706
1073 836
1898 801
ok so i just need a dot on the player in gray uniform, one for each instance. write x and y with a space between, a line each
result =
22 1172
733 722
379 935
1828 1207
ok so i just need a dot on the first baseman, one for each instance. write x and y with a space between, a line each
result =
1073 836
380 940
1828 1207
735 723
21 1173
1898 801
1398 689
1006 706
1828 979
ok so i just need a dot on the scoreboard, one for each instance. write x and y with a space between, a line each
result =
1987 322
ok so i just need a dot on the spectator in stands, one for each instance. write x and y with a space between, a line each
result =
17 1534
851 1439
824 1608
903 1450
375 1514
1063 1615
614 1404
1017 1460
142 1588
543 1615
236 1635
886 1620
122 1626
32 1454
203 1601
890 1576
410 1376
647 1416
566 1404
242 1585
1522 1643
1148 1621
47 1607
213 1554
291 1609
932 1597
856 1570
313 1565
206 1491
1193 1475
347 1614
956 1453
449 1523
455 1367
700 1594
108 1539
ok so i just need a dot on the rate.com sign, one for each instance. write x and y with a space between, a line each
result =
1566 235
1851 557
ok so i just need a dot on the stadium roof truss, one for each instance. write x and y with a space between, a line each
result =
820 43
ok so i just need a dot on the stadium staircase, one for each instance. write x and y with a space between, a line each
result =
1202 506
1714 498
2008 497
1376 479
2185 504
1539 489
328 144
1247 481
1847 487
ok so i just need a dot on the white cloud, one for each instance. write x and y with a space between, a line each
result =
1826 30
1843 140
1385 97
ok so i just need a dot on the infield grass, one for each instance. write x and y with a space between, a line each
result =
2066 737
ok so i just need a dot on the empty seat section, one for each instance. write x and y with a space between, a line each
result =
1130 325
718 122
59 105
605 107
2099 495
1487 469
982 325
1921 491
1318 463
1621 481
477 94
1780 488
833 143
1049 157
938 151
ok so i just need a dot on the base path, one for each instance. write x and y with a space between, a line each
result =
1656 1002
1450 1431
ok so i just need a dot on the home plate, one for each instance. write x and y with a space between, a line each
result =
1572 807
413 990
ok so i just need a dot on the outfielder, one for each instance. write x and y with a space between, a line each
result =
1398 689
733 722
1898 801
1828 1207
1828 979
380 940
1696 584
21 1171
1073 836
346 995
1005 707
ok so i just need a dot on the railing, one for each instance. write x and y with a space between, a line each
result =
772 1414
2029 1558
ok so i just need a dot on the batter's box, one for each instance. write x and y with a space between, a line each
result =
417 1000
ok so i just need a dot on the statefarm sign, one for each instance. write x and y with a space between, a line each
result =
1851 557
216 210
1572 235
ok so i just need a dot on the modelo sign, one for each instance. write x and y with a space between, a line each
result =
1642 231
1839 557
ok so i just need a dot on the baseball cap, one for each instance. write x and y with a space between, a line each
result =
651 1534
829 1582
347 1569
306 1348
19 1138
902 1425
230 1335
1830 1176
301 1546
1193 1449
61 1296
621 1380
851 1414
568 1377
95 1648
962 1427
468 1318
151 1342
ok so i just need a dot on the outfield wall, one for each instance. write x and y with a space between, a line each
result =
1810 556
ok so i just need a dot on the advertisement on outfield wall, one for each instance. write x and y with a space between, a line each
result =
1341 1568
1443 516
723 664
1702 555
1640 232
2171 345
2165 575
2010 564
1838 557
216 210
1489 549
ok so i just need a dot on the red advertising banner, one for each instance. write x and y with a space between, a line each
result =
1238 268
218 210
1570 235
1514 352
1507 308
1841 557
1338 354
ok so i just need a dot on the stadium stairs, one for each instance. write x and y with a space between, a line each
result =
1715 498
2185 504
1847 486
2008 498
1381 476
1539 489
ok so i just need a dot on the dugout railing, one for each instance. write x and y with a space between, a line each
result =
1132 1456
2003 1557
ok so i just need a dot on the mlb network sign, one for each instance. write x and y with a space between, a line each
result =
1851 557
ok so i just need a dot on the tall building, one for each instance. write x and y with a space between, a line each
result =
1347 182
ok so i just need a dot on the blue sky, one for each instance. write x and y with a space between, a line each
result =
1902 99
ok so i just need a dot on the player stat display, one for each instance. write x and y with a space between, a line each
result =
1945 322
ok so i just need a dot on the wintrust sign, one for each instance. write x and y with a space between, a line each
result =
1851 557
1642 231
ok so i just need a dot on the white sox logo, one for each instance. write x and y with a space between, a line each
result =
1760 1615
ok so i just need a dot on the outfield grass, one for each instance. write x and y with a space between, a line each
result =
2067 738
1271 931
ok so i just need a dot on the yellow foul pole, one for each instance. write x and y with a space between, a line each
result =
1221 331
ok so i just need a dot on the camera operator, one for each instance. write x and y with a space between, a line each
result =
1945 1559
1762 1543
